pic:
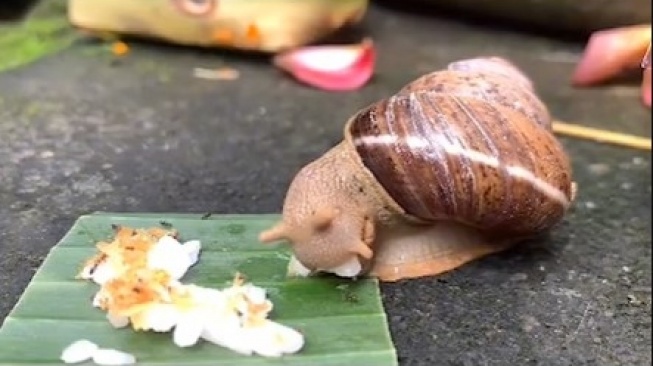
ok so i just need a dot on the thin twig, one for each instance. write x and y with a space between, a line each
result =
595 134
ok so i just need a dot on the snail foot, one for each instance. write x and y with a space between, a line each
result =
410 252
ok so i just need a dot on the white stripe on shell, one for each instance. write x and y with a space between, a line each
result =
475 156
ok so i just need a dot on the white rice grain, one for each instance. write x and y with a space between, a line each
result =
188 329
79 351
167 254
118 321
113 357
161 317
192 248
272 339
103 273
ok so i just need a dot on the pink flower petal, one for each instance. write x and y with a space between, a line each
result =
330 67
610 52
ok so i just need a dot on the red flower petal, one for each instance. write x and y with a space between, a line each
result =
610 52
330 67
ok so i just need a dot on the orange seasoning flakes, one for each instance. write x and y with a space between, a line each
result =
253 34
223 36
248 299
119 48
136 293
136 288
128 249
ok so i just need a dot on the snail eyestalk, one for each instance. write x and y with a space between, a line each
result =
276 233
323 218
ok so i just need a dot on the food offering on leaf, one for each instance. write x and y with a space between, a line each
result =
140 276
292 30
256 25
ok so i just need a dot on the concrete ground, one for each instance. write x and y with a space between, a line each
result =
80 133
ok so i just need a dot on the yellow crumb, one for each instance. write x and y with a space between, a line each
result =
119 48
223 73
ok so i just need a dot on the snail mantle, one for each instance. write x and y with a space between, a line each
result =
458 164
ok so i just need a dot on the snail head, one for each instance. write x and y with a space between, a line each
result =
322 225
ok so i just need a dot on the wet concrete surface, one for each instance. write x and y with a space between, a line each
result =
80 133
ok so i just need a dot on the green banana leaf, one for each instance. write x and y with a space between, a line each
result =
343 321
44 31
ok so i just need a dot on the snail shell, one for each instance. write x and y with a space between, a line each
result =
458 164
464 151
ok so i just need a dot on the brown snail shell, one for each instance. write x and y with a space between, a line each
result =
458 164
493 169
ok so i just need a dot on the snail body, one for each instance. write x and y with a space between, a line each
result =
458 164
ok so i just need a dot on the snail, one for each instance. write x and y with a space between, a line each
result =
458 164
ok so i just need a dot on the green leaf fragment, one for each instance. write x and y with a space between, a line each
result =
45 31
343 321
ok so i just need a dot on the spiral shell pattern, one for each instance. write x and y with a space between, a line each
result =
471 144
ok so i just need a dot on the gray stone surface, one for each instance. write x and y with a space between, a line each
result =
79 134
559 16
